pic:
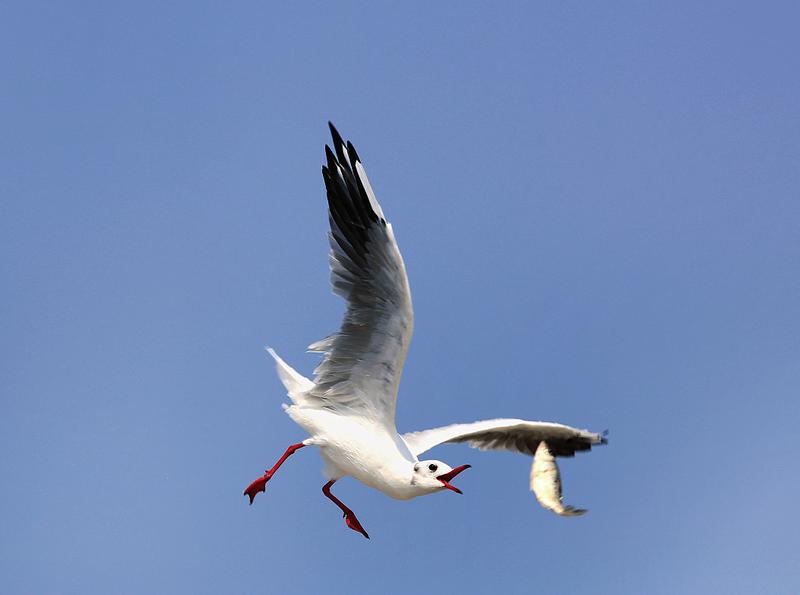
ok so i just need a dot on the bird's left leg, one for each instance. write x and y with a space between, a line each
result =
349 516
260 484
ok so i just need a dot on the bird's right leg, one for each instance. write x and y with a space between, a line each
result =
349 516
260 484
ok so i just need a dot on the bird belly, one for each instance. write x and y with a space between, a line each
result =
360 449
373 462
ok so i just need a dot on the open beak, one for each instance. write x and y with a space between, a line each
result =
446 477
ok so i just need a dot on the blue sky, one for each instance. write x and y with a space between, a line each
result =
599 209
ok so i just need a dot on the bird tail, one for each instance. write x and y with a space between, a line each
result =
296 384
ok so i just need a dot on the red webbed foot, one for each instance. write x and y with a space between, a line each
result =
352 522
349 516
259 485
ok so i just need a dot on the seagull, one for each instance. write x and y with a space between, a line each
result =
348 409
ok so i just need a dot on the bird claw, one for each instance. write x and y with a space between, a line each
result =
259 485
352 522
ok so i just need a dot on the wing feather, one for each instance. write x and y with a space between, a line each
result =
360 371
515 435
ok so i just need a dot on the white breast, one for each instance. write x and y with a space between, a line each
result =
359 448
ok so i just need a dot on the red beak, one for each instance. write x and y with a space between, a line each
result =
446 477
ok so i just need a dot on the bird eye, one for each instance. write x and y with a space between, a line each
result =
432 467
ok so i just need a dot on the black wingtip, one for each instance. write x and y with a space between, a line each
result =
340 147
351 151
337 138
331 158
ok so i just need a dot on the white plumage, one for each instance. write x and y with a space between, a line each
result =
348 409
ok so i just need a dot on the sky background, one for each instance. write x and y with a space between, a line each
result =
599 210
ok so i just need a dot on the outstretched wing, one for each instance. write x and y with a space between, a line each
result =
360 372
515 435
540 439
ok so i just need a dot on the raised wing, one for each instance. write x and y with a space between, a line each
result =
515 435
360 372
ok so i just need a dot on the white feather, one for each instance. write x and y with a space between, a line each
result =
296 384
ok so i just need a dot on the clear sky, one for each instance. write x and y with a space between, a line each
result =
599 209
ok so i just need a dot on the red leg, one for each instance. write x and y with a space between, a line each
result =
260 484
349 516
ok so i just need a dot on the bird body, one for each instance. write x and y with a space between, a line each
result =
348 409
354 447
351 445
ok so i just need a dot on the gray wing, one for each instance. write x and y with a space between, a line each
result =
360 372
515 435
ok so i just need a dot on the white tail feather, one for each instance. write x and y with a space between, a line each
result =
296 384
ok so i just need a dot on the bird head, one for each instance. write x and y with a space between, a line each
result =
435 475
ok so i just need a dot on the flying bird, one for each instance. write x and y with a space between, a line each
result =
348 409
